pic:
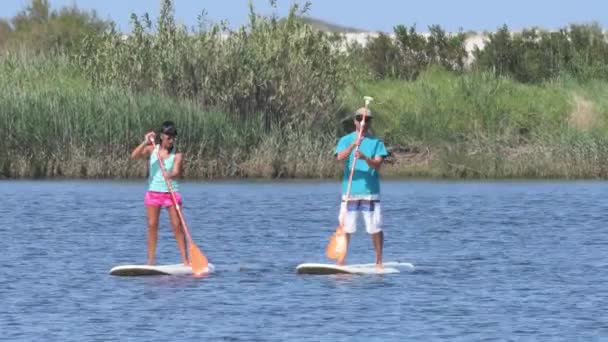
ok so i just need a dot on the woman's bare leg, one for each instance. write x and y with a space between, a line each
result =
152 213
179 233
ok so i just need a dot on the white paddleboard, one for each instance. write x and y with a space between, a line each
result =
150 270
388 267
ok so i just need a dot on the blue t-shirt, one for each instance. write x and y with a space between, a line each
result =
366 180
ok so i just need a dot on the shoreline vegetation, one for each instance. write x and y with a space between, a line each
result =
270 99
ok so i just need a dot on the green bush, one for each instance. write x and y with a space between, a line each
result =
535 56
410 53
281 68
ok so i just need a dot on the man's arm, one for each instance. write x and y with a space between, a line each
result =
343 154
374 162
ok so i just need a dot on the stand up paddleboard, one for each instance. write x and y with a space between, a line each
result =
323 269
151 270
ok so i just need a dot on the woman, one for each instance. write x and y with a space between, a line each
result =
158 195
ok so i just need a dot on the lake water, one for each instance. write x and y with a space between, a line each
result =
494 261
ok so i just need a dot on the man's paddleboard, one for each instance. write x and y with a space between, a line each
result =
150 270
388 267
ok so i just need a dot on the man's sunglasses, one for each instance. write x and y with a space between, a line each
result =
360 117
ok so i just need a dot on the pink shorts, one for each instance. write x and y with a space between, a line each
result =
161 199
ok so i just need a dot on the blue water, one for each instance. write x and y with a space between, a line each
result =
494 261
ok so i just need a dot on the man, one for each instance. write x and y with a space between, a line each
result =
364 194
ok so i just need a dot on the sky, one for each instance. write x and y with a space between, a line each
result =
377 15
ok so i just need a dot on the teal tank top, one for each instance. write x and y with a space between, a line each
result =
156 181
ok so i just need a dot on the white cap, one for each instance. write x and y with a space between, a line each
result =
362 110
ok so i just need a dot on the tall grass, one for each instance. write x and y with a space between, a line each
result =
441 106
267 100
57 124
484 126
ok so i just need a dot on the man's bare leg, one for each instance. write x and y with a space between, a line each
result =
378 241
341 261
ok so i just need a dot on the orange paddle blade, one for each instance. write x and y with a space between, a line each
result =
336 248
199 261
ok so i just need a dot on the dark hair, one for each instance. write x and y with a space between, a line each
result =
168 127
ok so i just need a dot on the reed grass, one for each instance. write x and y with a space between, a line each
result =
57 123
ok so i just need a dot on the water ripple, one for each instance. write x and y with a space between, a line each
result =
494 261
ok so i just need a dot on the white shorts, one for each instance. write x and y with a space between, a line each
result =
370 210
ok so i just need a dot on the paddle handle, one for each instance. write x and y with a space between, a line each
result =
177 207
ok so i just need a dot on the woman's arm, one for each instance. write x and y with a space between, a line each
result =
176 171
141 151
145 148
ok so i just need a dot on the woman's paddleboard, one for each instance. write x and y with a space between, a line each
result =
150 270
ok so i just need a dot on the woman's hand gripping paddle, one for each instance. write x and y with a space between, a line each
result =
199 261
337 247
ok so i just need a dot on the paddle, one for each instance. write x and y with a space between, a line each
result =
336 248
197 258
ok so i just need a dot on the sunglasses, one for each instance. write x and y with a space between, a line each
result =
170 137
359 118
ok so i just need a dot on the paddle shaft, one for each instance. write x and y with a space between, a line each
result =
352 168
168 181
